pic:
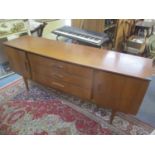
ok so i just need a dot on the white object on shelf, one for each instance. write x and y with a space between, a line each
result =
13 36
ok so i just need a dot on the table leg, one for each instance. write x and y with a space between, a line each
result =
112 116
26 83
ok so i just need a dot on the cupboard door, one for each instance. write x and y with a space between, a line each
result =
107 89
132 94
119 92
18 61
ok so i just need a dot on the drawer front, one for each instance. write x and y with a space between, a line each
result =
63 86
62 76
66 67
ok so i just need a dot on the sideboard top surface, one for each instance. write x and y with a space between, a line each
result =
101 59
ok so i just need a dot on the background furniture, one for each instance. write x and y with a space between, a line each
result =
136 43
144 27
13 27
123 31
10 29
108 26
36 28
81 36
151 48
109 79
96 25
50 26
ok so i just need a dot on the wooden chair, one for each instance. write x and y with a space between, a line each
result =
36 28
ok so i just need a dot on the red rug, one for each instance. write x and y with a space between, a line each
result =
47 111
52 117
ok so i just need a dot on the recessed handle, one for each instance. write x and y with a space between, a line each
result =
58 75
59 66
58 84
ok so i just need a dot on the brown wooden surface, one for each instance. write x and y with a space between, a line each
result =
101 59
118 92
62 85
68 68
69 73
86 72
77 23
66 77
123 31
18 61
96 25
26 83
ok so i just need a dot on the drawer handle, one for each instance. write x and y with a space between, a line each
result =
58 75
58 84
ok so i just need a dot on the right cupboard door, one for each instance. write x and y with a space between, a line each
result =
118 92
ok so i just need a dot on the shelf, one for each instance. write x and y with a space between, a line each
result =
17 33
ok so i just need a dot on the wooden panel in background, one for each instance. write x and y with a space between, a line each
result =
96 25
124 28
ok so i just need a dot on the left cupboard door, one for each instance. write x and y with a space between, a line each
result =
18 61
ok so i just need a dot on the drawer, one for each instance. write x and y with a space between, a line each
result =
63 86
62 76
36 61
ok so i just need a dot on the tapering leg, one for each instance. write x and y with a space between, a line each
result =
26 83
112 116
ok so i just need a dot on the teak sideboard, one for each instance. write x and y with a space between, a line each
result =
110 79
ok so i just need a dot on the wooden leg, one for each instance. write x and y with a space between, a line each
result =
112 116
26 83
